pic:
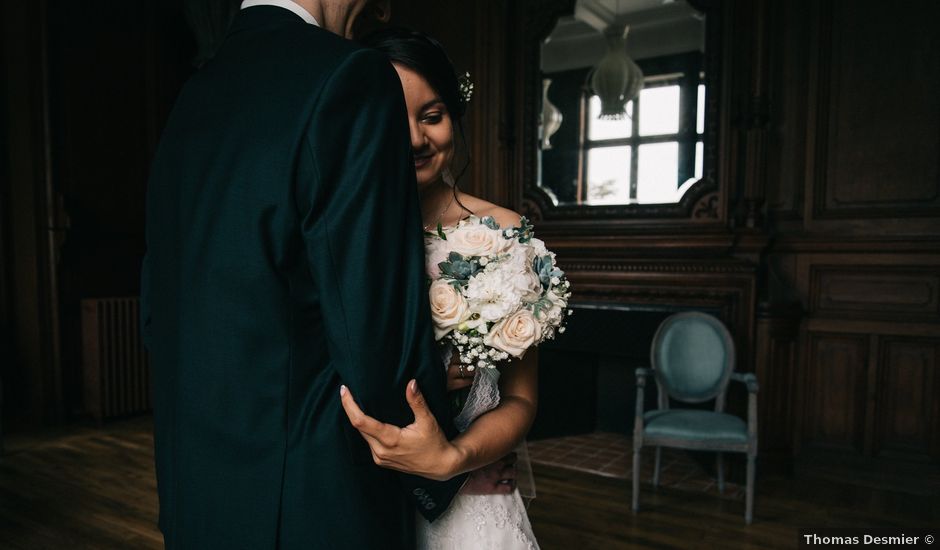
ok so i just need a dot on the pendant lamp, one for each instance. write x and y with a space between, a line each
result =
616 78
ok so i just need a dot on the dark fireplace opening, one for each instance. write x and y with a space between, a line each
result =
587 376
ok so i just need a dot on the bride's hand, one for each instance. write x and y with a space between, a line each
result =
458 378
419 448
499 478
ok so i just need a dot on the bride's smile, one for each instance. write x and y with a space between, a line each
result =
432 132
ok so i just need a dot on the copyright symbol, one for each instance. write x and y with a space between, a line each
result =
928 539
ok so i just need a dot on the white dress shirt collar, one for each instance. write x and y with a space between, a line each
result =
286 4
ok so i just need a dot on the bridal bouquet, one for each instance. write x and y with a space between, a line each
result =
494 292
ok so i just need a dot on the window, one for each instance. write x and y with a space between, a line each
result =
650 154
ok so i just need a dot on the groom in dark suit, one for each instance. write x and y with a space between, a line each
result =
285 258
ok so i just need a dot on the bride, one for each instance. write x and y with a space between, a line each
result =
489 512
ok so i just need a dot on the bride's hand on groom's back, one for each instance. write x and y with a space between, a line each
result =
420 448
499 478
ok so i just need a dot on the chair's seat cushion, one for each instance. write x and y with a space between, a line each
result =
691 424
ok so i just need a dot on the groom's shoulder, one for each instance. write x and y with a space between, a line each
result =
320 49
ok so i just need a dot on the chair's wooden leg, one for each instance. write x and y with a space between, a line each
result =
656 470
720 464
636 480
749 506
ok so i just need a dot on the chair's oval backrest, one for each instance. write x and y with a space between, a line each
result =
692 356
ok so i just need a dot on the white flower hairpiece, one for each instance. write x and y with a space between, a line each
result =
465 87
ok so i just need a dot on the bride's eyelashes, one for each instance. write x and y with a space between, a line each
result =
434 117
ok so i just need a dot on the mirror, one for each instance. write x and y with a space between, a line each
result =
623 102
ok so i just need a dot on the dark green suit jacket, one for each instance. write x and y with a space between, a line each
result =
284 258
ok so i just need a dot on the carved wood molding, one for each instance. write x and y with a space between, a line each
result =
633 267
848 243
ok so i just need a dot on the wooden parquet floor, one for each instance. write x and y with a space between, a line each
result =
86 488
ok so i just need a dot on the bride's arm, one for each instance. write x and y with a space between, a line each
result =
421 448
497 432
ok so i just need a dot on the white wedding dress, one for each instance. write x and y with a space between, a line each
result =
481 522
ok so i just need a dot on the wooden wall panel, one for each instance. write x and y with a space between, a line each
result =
31 381
786 163
835 378
875 149
900 292
909 386
776 363
883 147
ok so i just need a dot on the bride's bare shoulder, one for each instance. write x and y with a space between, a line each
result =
481 208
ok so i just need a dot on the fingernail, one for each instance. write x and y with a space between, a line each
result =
343 390
413 386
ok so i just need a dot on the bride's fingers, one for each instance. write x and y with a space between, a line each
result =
385 434
418 405
455 379
504 488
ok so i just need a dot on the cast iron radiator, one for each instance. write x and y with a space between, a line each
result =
115 363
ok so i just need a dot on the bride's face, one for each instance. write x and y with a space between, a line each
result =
432 131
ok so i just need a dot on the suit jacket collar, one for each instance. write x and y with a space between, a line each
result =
262 16
287 5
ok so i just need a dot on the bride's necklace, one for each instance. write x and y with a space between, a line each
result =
433 227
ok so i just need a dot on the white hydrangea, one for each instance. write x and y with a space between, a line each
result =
493 294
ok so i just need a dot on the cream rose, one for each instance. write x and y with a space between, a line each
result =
514 334
448 308
477 240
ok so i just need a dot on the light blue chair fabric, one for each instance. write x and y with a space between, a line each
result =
692 358
695 426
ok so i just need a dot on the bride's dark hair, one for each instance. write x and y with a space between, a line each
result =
425 56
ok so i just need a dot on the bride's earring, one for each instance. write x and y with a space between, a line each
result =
448 177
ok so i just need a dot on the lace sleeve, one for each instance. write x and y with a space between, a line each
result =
484 397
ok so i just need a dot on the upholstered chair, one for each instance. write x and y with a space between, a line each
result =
692 360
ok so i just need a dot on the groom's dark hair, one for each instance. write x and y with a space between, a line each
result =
425 56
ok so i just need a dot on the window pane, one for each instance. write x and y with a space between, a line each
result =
604 128
699 156
700 110
658 172
608 175
659 110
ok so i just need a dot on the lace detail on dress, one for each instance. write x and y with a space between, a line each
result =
482 522
479 522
